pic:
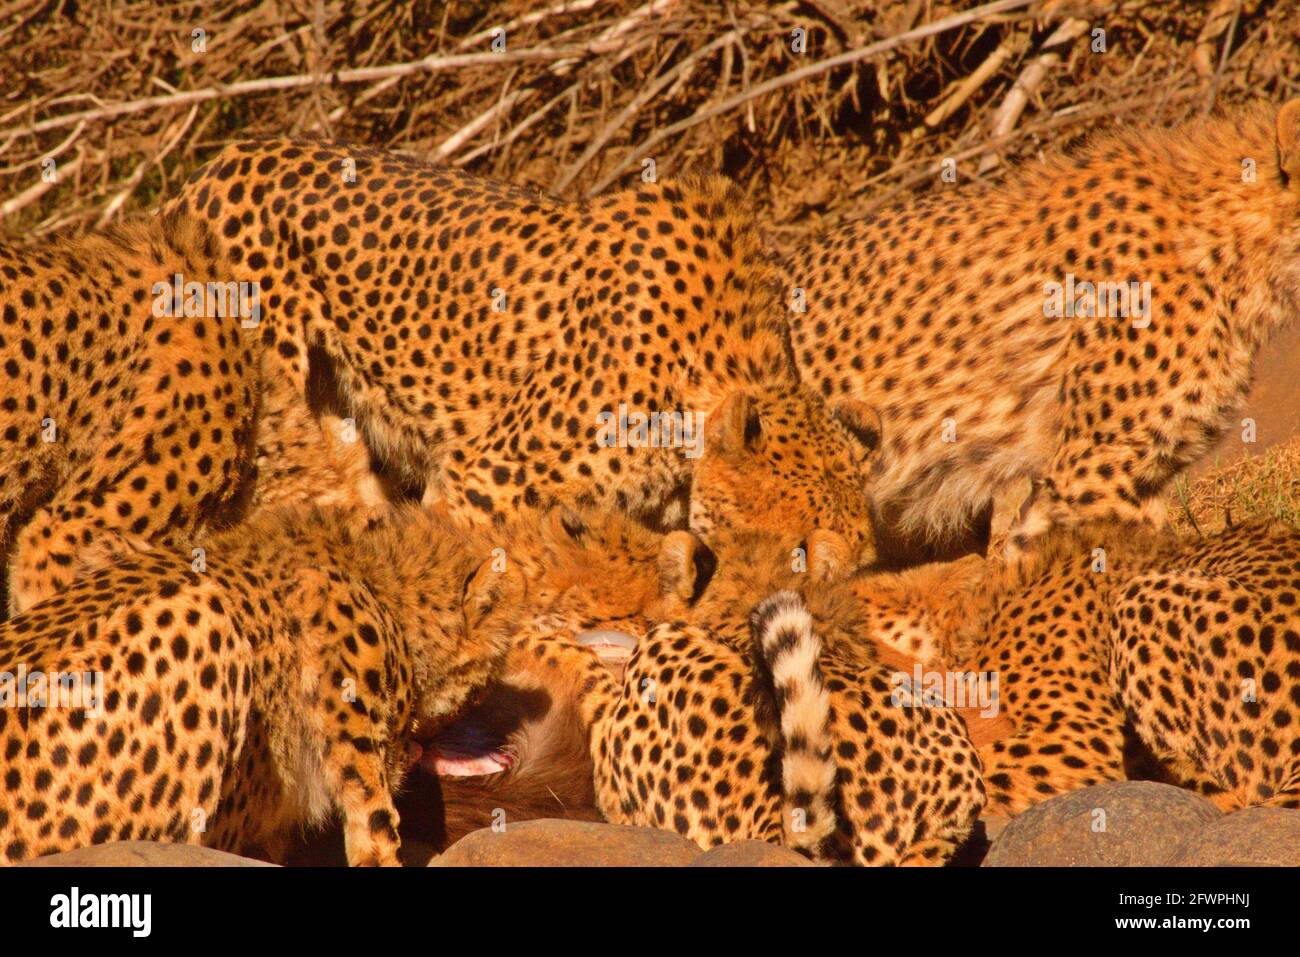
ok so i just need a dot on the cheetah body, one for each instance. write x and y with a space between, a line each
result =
258 689
481 335
1194 647
1056 404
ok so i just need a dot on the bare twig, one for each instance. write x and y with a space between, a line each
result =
115 204
963 91
1223 61
36 191
803 73
504 104
49 154
642 97
362 75
1008 114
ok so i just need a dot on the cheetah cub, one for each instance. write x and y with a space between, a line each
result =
727 726
242 691
1195 644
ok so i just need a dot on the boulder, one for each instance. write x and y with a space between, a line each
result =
1252 837
1120 824
751 854
144 854
556 843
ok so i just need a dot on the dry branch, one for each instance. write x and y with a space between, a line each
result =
886 86
813 69
281 83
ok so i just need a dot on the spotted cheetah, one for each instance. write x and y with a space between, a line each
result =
1205 658
726 728
1196 644
974 320
117 427
263 686
376 316
127 425
486 338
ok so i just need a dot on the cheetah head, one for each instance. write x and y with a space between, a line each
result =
753 564
781 459
587 569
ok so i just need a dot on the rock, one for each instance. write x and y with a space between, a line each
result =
144 854
555 843
1120 824
1252 837
994 825
751 854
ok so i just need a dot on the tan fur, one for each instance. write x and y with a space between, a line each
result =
476 331
932 312
255 693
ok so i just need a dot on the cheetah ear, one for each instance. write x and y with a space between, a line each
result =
686 565
829 555
862 421
1288 141
489 590
735 427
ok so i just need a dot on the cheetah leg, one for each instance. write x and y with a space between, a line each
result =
1053 506
1040 762
354 772
934 851
1119 449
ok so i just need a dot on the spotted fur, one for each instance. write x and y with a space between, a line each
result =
260 691
933 311
1196 644
477 332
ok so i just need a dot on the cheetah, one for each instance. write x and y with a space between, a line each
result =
118 427
261 689
485 338
126 424
1205 659
726 728
1194 645
1015 368
168 426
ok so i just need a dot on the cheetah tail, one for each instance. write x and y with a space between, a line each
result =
787 651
